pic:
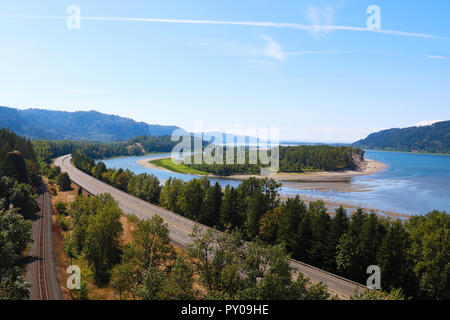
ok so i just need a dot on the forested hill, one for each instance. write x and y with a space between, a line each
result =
80 125
434 139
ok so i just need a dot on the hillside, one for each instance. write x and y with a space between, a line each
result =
80 125
433 139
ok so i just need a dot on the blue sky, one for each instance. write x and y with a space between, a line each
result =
256 70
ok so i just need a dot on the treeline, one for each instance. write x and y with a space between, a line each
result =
215 266
412 255
339 243
292 159
18 174
144 186
46 150
322 158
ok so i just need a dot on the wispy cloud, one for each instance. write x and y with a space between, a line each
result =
432 56
312 52
297 26
273 49
320 16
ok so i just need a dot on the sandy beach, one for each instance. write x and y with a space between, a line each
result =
147 164
371 167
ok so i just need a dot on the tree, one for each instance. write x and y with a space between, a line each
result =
230 210
395 261
321 251
339 226
304 289
150 247
122 279
266 272
430 243
215 257
18 166
83 292
13 285
351 253
145 186
372 294
14 229
152 287
191 199
268 225
20 195
345 255
180 281
171 191
292 213
98 170
102 239
370 239
15 234
61 208
304 239
268 276
121 178
255 209
210 209
63 181
339 223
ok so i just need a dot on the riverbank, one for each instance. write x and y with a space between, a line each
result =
371 166
321 181
332 204
409 152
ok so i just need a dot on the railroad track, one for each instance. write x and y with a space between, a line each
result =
43 293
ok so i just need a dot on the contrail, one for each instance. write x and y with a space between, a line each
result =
297 26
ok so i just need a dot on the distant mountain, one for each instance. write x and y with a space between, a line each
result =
80 125
434 139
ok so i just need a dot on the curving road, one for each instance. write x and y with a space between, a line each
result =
180 227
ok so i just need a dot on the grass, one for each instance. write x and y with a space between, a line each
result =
180 168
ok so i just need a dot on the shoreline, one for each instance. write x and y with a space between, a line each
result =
337 181
147 163
332 204
371 167
409 152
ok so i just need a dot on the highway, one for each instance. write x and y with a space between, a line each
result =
180 227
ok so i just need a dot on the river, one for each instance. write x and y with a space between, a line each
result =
411 184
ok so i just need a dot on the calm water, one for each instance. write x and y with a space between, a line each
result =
411 184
